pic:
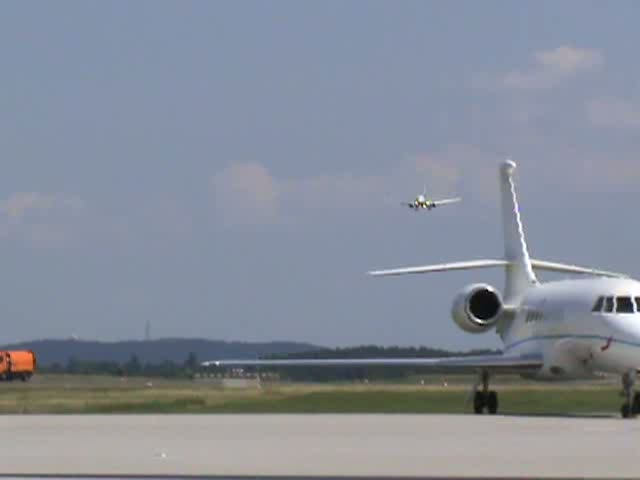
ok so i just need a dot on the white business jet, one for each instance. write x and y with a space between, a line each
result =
560 330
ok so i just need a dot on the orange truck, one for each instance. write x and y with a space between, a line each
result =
17 364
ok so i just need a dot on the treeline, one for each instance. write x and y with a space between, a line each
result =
131 368
157 351
190 367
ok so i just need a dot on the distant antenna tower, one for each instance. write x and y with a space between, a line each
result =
147 331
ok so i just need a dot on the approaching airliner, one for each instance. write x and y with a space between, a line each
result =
422 202
560 330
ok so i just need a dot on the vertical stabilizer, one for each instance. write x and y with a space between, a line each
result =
519 273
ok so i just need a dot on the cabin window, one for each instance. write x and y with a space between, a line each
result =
624 305
608 304
598 305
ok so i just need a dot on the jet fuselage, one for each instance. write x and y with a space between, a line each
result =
579 335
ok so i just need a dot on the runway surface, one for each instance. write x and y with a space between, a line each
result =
320 445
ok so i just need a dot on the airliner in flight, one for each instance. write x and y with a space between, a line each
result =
421 202
560 330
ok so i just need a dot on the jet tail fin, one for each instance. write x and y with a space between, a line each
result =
519 272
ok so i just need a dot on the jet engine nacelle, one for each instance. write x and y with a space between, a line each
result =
477 308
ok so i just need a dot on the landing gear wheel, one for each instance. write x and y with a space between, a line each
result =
635 407
492 402
478 402
631 406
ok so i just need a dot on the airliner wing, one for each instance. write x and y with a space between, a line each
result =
488 362
407 204
445 201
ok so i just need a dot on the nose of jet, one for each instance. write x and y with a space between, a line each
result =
624 326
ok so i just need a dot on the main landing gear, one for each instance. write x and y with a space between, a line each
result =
631 406
485 398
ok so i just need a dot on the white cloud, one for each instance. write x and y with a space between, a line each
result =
569 60
614 113
601 175
463 170
246 193
340 191
574 168
551 67
445 173
250 194
21 204
40 219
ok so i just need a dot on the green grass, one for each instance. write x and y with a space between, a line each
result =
108 395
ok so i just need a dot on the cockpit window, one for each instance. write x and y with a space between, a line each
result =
598 305
608 304
638 304
624 305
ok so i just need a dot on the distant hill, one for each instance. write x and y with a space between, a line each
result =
49 352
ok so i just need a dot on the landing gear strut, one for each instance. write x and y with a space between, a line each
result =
631 406
487 398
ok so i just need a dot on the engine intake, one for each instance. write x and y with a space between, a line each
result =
477 308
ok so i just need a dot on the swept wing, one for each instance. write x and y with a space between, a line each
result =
488 362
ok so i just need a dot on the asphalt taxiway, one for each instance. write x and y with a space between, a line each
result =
319 445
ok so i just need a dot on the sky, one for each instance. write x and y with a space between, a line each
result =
231 170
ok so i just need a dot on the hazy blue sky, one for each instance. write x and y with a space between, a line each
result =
232 169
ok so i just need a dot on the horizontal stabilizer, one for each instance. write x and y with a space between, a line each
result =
566 268
442 267
489 263
492 362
